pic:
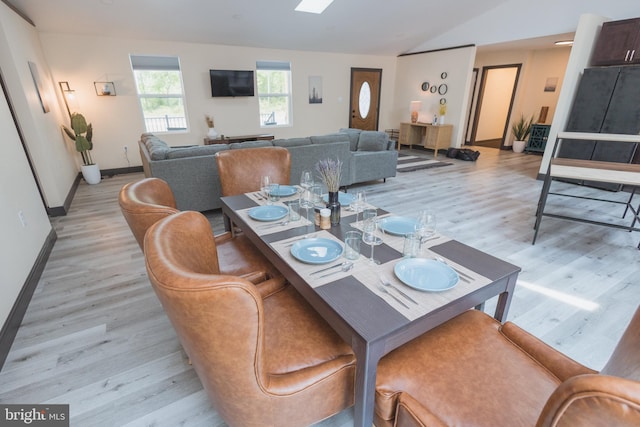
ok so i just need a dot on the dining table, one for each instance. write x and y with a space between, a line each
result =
374 319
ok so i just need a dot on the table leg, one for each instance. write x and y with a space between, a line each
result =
367 356
504 300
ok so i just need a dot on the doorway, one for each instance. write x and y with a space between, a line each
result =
364 103
493 105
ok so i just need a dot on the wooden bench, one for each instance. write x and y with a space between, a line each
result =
591 170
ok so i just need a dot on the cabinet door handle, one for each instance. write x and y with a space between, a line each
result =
626 57
633 52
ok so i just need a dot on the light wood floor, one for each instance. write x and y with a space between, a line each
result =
95 335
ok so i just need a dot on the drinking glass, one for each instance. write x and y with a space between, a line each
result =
264 185
426 225
274 193
294 210
369 213
372 236
352 242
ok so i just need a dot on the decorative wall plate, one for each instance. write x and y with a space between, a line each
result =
442 89
433 89
443 75
425 86
443 101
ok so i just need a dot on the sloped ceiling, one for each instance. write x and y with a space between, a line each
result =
378 27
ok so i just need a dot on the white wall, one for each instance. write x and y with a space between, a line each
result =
19 245
415 69
537 65
52 157
117 121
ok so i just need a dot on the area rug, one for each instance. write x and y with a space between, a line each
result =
410 163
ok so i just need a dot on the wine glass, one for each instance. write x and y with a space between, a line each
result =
426 225
306 182
358 203
372 236
265 182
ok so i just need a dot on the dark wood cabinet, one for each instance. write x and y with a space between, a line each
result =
618 43
606 102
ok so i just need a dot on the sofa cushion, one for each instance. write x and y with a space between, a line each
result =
373 141
157 148
292 142
329 138
196 150
250 144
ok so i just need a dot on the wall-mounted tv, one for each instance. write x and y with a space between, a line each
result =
231 83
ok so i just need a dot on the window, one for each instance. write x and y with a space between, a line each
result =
274 93
159 87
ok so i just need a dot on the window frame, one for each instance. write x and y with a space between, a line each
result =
160 63
275 66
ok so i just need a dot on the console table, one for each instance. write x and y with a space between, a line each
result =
239 138
435 136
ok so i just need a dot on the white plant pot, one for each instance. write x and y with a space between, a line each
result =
91 173
518 146
212 133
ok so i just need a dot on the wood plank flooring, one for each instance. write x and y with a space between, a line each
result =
95 335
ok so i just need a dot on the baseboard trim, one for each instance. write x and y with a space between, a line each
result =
63 210
13 322
121 171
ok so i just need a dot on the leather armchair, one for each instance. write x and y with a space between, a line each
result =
240 170
265 360
149 200
473 371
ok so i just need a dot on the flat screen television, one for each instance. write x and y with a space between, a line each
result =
231 83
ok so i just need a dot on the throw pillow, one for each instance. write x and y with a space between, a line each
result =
196 150
372 141
250 144
327 139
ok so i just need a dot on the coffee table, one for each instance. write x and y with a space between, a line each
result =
370 321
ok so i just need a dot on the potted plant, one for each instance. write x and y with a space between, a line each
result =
521 130
82 133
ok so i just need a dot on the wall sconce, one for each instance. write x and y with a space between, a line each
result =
69 95
105 88
415 109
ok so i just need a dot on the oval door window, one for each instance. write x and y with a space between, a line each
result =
364 101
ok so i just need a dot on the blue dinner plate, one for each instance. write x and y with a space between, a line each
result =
316 250
426 274
398 225
268 213
345 199
287 190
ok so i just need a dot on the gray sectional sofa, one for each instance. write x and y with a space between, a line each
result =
192 173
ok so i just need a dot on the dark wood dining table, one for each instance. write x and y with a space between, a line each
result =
371 321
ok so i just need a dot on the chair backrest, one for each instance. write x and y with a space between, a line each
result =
610 398
625 360
145 202
240 169
218 319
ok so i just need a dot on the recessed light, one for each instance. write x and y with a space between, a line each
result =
564 43
313 6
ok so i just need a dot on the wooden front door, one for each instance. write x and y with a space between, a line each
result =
365 98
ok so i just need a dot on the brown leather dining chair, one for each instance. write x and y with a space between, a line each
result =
240 169
473 371
264 360
145 202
